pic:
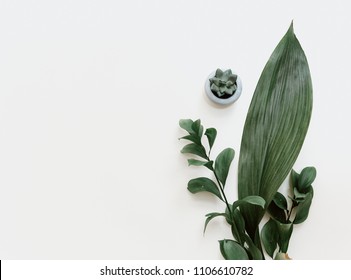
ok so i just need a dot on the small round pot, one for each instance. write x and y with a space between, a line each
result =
223 101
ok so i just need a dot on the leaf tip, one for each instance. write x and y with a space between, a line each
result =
291 28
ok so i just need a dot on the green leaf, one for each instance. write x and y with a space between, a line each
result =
285 231
277 213
303 208
280 201
229 218
301 196
239 223
194 149
193 138
222 164
254 252
252 199
197 128
306 178
270 237
232 250
197 162
210 216
294 179
211 134
275 126
186 124
203 184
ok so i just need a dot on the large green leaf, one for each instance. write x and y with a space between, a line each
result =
275 126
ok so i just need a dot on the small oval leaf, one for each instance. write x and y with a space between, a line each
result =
277 213
203 184
197 128
211 134
270 236
232 250
222 164
303 208
186 124
306 178
193 138
280 201
194 149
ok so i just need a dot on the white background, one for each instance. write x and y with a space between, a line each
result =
91 93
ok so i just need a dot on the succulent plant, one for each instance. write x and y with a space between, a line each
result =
223 83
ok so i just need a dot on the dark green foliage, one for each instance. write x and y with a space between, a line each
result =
270 237
274 132
277 231
243 247
232 250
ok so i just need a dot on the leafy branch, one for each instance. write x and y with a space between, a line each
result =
277 231
242 246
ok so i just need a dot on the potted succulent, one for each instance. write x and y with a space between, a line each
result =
223 87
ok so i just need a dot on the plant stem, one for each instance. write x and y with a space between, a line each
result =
221 189
293 205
